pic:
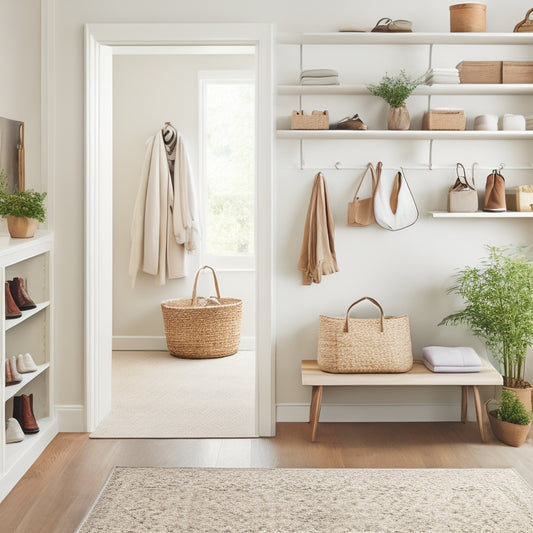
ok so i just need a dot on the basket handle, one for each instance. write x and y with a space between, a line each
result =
347 321
524 21
194 299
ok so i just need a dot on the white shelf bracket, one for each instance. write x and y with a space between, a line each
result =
430 154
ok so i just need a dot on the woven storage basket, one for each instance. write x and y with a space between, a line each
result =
468 17
511 434
196 332
364 345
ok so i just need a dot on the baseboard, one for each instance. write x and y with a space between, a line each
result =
71 418
299 412
156 343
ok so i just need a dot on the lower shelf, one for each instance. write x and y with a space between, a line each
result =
482 214
11 390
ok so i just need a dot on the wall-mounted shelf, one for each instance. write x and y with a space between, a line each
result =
482 214
11 390
25 315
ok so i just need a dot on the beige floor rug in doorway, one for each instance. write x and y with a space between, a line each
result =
313 500
156 395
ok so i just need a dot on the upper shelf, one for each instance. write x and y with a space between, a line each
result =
410 135
15 250
477 89
409 38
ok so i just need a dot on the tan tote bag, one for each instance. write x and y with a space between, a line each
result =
364 345
361 211
462 197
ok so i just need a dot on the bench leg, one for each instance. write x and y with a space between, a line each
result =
314 410
464 401
479 413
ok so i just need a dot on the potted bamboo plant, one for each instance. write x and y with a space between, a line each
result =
395 90
510 422
22 209
499 309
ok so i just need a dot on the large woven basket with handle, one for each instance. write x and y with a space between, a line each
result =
201 332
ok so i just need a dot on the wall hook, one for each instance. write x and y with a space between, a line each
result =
338 165
501 166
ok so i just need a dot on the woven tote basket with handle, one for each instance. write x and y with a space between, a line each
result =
197 332
364 345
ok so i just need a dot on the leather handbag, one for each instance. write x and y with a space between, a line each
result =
495 200
361 211
394 205
462 196
364 345
526 24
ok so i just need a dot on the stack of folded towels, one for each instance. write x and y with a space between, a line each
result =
446 359
319 76
442 75
529 122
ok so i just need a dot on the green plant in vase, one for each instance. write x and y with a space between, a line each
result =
510 422
395 90
22 209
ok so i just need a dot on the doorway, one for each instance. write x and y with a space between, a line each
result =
102 43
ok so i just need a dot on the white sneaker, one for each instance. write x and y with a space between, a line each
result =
14 432
14 371
25 363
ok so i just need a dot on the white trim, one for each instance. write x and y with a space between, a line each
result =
100 41
404 412
71 418
183 50
159 343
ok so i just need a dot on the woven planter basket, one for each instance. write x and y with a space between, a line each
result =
196 332
511 434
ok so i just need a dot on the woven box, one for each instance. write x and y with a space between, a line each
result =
524 198
440 119
517 72
468 17
317 120
480 71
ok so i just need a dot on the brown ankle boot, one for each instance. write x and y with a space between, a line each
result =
23 412
12 311
20 295
495 193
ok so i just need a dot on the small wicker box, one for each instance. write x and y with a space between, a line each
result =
444 119
524 197
517 72
317 120
480 71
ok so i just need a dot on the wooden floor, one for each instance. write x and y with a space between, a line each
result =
60 488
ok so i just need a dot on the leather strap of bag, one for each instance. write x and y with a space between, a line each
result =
371 167
347 319
525 21
464 181
194 298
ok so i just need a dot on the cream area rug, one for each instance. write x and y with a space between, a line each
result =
312 500
155 395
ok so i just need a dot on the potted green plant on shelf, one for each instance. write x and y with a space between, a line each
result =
510 422
22 209
395 90
499 309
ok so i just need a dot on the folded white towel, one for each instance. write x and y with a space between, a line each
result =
327 80
486 123
438 79
451 369
459 356
444 70
318 72
512 122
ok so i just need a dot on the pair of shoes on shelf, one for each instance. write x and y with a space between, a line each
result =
17 298
387 25
25 363
12 373
23 413
14 432
351 123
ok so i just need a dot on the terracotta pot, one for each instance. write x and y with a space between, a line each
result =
524 395
398 118
21 227
511 434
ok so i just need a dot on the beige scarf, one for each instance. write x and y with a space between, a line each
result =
317 256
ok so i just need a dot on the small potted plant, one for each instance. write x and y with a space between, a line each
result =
22 209
499 309
395 90
510 422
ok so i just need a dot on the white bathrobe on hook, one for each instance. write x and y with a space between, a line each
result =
164 222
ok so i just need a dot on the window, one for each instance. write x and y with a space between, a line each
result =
227 168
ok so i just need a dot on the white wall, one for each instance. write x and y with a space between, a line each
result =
147 92
408 272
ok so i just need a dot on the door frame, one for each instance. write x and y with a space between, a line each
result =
101 42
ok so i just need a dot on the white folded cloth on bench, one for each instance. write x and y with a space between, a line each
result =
459 357
451 369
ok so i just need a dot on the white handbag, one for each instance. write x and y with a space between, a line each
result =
394 205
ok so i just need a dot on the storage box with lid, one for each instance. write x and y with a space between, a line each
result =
317 120
517 72
471 17
480 71
444 119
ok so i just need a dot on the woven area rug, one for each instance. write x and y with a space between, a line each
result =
156 395
312 500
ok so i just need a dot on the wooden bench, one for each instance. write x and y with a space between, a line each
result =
418 375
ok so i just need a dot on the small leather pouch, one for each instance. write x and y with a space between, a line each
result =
361 211
462 197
